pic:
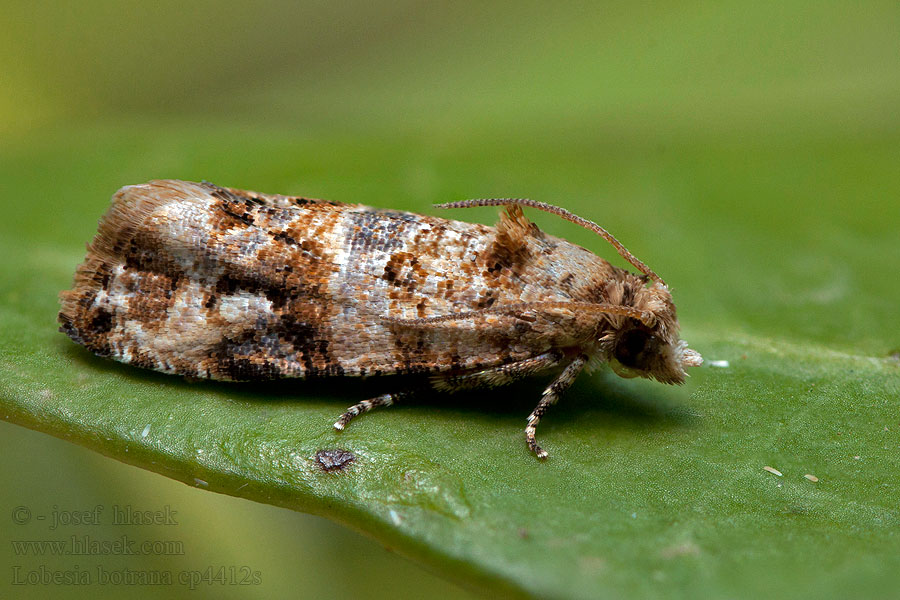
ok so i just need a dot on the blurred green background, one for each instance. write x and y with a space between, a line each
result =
748 152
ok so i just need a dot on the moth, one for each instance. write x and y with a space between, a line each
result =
210 282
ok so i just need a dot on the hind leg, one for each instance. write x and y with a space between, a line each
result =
367 405
497 376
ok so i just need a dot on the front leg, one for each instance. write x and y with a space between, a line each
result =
550 396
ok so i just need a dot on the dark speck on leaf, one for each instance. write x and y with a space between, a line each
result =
334 460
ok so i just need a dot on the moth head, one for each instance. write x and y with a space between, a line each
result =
641 352
650 346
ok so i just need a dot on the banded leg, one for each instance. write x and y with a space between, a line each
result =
367 405
550 396
496 376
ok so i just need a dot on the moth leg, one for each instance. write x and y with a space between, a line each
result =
496 376
550 396
367 405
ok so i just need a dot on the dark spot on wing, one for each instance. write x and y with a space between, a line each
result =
102 321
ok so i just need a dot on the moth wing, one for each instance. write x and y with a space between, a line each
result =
194 279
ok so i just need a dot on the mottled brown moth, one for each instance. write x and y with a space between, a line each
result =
211 282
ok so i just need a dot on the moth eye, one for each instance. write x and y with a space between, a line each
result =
630 347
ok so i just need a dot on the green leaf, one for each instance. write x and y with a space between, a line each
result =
771 210
645 485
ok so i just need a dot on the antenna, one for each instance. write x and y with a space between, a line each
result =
568 216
